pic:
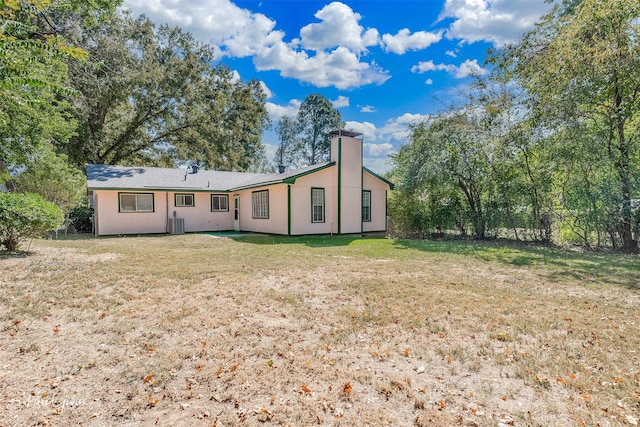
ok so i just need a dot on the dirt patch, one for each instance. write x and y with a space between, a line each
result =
188 330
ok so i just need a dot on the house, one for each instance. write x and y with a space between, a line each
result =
340 197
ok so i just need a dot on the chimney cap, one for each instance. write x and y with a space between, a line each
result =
281 168
342 132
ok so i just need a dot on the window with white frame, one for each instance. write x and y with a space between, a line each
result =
366 206
260 204
135 202
182 200
219 203
317 205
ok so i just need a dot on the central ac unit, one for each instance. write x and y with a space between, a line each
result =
175 226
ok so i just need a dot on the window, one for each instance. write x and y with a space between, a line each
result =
317 205
366 206
136 202
184 200
260 204
219 203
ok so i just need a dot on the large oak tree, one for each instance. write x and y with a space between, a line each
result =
33 72
153 96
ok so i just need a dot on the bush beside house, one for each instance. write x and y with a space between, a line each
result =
24 216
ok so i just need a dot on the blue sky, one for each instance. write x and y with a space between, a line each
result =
383 63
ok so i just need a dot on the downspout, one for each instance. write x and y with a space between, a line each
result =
386 211
95 215
288 210
361 192
166 217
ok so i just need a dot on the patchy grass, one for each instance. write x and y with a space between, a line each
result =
199 330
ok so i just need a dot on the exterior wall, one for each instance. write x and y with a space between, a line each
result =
378 203
301 203
278 208
200 217
108 219
350 182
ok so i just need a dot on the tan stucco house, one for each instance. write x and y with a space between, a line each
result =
339 197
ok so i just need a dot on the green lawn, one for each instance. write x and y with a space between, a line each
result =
262 330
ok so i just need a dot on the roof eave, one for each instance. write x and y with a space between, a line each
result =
288 180
170 189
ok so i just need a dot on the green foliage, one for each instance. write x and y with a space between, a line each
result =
50 175
81 218
289 150
305 140
555 155
150 96
581 68
316 119
409 215
455 161
25 216
33 74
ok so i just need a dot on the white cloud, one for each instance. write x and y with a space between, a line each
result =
276 111
342 101
495 21
375 156
379 165
267 92
397 129
270 150
470 68
388 139
404 40
338 27
428 82
256 34
368 109
340 68
231 30
235 77
237 32
377 150
425 66
467 68
451 54
367 129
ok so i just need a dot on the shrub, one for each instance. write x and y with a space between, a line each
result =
80 218
25 216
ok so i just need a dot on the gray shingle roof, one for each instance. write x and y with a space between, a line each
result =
139 178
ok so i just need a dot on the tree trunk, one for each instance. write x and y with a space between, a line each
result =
475 207
629 245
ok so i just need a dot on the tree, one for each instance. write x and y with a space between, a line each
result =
288 151
581 66
316 119
450 152
33 74
479 163
25 216
51 176
151 97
